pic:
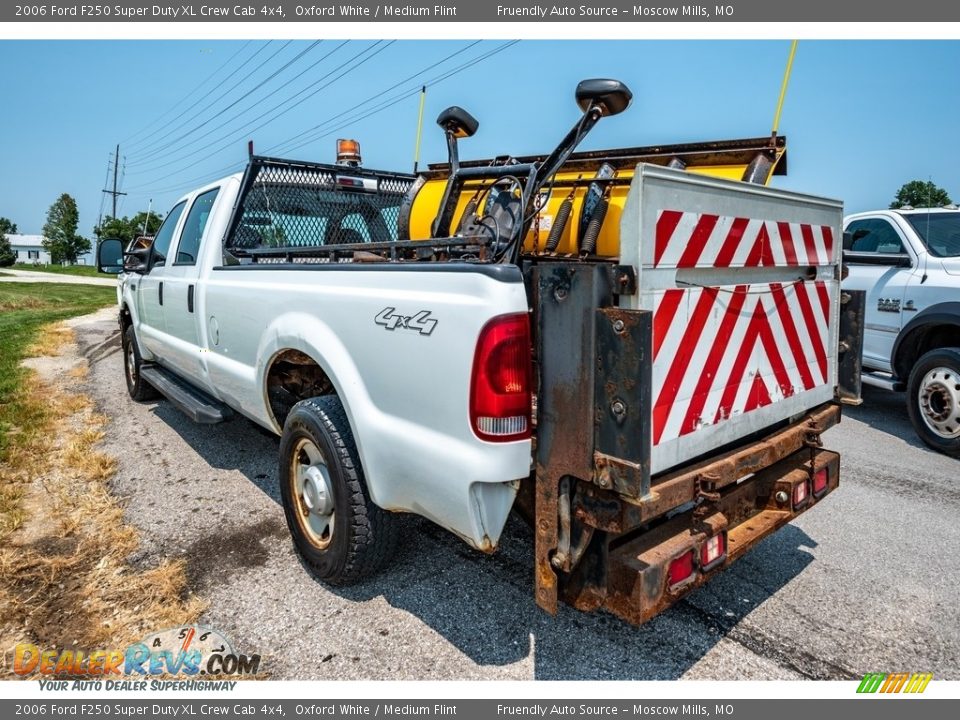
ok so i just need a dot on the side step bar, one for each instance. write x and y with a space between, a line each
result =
194 403
882 380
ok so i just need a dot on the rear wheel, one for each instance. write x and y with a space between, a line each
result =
338 531
139 389
933 399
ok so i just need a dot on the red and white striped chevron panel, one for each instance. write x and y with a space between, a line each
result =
720 352
690 239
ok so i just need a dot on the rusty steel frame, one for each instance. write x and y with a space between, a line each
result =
604 536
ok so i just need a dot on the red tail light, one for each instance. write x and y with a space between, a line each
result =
681 569
801 493
712 551
500 385
820 478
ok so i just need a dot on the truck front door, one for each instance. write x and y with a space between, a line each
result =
151 287
885 285
180 310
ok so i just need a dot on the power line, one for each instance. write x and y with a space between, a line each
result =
174 129
386 104
236 166
350 69
126 141
379 94
248 109
247 94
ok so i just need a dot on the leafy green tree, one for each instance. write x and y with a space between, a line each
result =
60 236
127 229
7 256
920 194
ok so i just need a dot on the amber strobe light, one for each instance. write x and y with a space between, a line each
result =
348 153
500 385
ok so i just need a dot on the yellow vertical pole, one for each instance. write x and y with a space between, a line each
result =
416 149
783 86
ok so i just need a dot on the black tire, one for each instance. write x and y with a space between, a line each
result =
359 538
139 389
933 400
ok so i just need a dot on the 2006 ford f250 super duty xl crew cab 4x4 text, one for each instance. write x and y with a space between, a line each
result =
636 349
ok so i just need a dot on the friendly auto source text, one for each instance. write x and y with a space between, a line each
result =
544 11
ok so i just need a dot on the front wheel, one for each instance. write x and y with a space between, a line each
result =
933 399
139 389
338 531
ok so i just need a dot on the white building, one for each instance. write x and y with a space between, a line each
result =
29 249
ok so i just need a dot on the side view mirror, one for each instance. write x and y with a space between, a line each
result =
458 121
110 256
137 257
597 98
611 97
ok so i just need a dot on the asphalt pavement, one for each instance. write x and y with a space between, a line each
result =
867 581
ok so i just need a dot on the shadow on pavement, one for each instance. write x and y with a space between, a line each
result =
483 605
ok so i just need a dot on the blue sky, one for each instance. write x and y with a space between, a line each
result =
861 117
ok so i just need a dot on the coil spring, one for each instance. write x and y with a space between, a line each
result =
588 244
556 232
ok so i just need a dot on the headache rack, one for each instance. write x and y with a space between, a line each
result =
290 211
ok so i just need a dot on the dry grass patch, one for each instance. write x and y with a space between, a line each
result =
64 577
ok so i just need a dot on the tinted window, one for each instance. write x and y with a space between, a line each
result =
161 243
939 231
874 235
193 228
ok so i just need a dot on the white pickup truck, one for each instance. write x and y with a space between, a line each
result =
636 348
908 263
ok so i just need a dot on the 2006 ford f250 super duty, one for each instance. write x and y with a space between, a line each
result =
637 349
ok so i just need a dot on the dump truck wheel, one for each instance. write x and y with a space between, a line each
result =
933 399
139 389
338 531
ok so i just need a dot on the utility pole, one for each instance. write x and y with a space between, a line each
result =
114 193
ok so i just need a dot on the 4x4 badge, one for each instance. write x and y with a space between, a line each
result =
421 321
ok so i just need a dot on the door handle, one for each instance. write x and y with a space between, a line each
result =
190 298
160 291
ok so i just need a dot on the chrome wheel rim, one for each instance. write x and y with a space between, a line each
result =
939 402
131 365
312 492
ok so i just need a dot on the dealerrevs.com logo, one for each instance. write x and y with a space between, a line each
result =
189 651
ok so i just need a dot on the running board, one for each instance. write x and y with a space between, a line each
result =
194 403
883 381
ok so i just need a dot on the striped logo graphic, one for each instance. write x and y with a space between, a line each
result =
688 239
894 683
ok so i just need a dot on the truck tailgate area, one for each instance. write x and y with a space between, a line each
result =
743 286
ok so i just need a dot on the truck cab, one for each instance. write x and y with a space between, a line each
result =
907 261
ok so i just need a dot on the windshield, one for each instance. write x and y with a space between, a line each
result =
940 232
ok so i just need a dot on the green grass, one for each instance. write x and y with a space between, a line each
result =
24 308
86 270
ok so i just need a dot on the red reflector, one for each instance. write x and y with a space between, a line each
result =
681 569
712 550
820 479
800 493
500 385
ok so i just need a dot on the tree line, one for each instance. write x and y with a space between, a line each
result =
60 236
